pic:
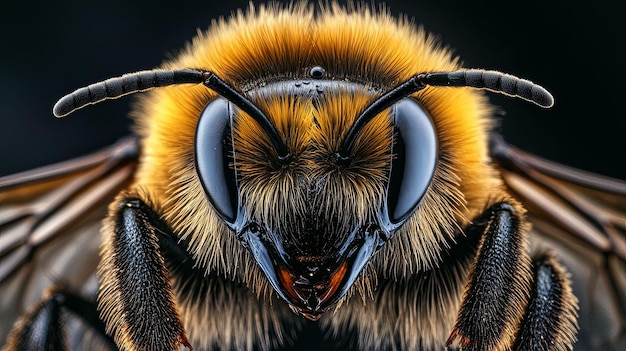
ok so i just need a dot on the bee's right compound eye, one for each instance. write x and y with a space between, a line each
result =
214 158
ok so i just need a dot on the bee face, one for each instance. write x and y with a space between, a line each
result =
293 213
311 224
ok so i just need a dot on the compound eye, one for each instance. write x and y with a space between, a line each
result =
413 165
214 158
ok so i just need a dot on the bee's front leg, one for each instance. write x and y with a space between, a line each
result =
135 299
498 287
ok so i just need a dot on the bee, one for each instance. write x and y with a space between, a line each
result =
346 177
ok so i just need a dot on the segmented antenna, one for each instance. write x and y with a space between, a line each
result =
114 88
495 81
145 80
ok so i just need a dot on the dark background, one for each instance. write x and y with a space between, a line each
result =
49 50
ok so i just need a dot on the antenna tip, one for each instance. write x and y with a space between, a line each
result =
542 97
63 107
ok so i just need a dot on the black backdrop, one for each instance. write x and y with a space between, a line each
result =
572 49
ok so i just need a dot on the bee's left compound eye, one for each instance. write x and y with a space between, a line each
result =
214 158
413 165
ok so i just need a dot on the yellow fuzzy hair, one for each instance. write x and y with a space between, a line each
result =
273 43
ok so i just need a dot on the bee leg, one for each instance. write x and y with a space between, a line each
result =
135 299
498 284
550 319
42 328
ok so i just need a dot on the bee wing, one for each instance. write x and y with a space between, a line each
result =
581 216
50 221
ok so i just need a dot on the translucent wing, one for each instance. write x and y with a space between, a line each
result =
49 225
582 217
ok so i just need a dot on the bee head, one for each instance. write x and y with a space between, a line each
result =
313 175
314 215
